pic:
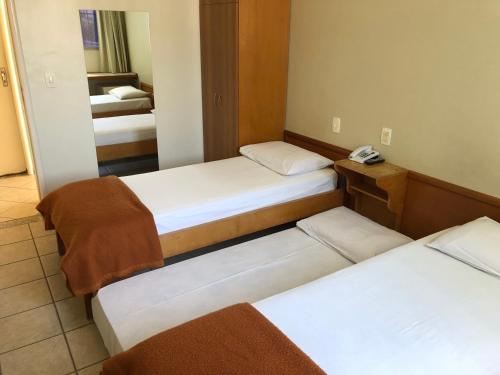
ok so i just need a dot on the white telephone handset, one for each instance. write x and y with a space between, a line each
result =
364 153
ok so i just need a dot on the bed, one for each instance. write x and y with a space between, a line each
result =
125 136
130 311
412 310
193 209
110 106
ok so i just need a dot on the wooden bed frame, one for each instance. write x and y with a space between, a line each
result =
121 113
185 240
127 150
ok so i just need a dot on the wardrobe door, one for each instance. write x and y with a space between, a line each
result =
219 46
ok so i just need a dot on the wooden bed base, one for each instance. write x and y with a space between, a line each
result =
185 240
127 150
121 113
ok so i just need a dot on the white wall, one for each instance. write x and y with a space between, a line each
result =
139 45
429 69
61 117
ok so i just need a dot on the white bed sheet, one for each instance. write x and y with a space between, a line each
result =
412 310
110 103
135 309
124 129
196 194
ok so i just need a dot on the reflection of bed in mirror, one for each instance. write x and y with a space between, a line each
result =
108 105
122 137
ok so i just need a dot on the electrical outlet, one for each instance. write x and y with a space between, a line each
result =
336 125
386 136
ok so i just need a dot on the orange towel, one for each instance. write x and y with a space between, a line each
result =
107 232
237 340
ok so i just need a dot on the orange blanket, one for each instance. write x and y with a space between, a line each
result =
236 340
107 232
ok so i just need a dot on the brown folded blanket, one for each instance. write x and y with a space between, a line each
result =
107 232
236 340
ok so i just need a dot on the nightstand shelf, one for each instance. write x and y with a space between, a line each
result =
385 183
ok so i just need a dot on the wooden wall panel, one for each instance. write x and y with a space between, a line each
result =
431 204
263 70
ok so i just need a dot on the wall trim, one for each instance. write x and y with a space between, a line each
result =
431 205
441 184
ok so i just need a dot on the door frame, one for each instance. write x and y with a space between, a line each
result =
21 83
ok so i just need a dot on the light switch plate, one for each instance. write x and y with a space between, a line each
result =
336 125
386 136
50 79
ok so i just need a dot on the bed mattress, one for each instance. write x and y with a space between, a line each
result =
135 309
124 129
110 103
412 310
187 196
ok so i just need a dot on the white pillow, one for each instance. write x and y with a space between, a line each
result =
128 92
354 236
476 243
284 158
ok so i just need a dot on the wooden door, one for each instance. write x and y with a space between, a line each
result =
219 46
12 153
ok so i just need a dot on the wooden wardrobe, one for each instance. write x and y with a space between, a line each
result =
244 59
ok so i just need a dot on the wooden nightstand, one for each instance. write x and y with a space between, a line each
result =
385 183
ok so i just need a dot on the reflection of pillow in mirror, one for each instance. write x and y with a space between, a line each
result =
107 89
128 92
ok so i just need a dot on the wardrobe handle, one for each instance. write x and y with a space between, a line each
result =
219 100
215 99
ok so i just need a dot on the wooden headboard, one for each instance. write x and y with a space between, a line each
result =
431 204
150 90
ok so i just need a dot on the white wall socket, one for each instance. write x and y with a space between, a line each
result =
336 125
386 136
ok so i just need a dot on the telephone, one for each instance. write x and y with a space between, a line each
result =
364 153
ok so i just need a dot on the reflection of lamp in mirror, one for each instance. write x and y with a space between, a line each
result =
117 51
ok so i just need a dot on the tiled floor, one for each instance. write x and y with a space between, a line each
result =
18 197
43 329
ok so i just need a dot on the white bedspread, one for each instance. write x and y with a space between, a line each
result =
110 103
135 309
410 311
196 194
124 129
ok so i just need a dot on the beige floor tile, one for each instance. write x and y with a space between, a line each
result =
29 327
92 370
24 297
72 313
38 229
46 245
19 195
4 205
20 210
58 287
50 264
17 251
48 357
17 181
86 346
20 273
14 234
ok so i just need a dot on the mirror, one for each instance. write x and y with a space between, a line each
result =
117 51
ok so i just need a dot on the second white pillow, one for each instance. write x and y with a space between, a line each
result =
354 236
